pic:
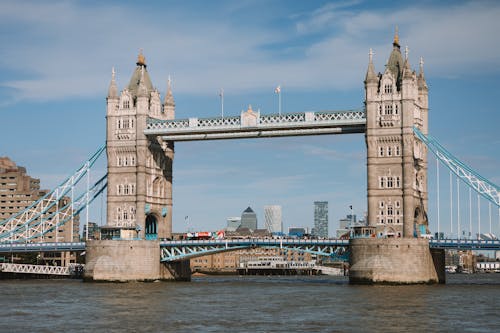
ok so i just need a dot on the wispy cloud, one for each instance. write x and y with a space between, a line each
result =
68 48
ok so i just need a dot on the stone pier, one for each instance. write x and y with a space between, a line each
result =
394 261
130 260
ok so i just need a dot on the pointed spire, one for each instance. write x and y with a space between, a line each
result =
142 90
113 89
169 97
370 73
421 79
406 52
396 37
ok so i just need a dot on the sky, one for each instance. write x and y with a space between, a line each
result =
55 68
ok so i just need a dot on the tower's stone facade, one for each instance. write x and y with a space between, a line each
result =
396 101
139 170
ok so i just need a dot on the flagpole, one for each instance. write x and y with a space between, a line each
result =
278 91
222 101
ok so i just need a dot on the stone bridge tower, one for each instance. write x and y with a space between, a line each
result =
139 170
396 101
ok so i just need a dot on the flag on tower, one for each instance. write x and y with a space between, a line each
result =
278 89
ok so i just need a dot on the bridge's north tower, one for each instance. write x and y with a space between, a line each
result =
396 101
139 170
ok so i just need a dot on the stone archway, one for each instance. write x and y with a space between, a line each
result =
151 232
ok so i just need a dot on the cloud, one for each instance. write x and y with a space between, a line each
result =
66 49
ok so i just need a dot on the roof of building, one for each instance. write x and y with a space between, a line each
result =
140 72
248 210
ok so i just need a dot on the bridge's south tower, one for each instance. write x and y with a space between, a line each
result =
139 170
396 100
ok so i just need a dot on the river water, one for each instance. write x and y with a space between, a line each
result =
467 303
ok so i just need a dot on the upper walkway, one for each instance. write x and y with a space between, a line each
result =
251 124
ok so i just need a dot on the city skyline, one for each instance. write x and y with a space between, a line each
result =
53 91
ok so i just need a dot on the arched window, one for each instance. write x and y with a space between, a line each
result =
382 182
389 151
389 210
381 151
398 182
396 149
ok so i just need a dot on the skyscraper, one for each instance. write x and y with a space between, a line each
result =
321 219
249 219
272 215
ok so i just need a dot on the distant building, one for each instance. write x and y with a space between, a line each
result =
298 232
249 219
233 223
273 220
321 219
94 231
18 191
345 224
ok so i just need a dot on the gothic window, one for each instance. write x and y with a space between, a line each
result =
389 210
131 123
381 212
132 190
396 109
388 109
389 182
120 189
397 150
381 151
119 125
119 161
125 189
125 215
388 88
389 220
389 151
132 162
119 213
126 104
398 182
380 110
382 182
397 204
381 204
382 221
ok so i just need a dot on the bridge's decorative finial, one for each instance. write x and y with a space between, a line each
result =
396 37
406 52
421 64
141 60
169 82
113 73
370 55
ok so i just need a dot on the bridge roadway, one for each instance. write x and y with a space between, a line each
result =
231 244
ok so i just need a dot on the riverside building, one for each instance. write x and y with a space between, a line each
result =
17 192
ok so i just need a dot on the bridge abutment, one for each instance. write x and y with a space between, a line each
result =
129 260
394 261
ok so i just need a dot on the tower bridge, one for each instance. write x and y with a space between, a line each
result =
141 131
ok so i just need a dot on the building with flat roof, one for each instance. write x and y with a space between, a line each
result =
233 223
273 219
320 219
18 191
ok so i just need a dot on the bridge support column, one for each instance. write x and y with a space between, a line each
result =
129 260
394 261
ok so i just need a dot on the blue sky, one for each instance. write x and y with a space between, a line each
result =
55 67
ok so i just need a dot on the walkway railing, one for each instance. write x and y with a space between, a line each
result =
251 124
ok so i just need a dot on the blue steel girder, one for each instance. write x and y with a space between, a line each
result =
474 180
179 253
182 250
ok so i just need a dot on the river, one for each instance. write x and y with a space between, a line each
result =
467 303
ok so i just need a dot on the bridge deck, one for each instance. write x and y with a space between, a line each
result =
254 125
